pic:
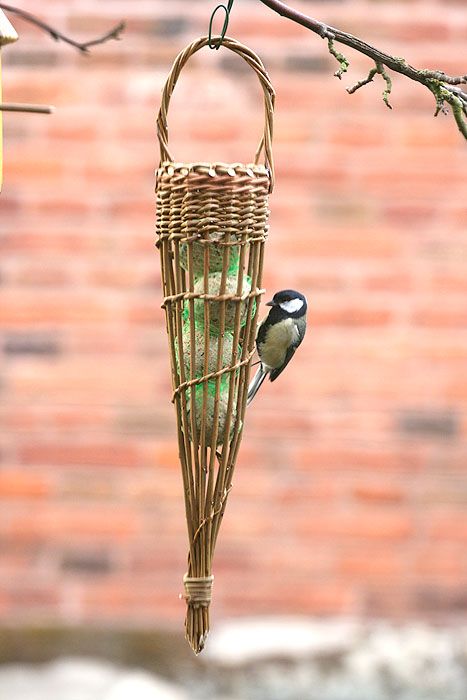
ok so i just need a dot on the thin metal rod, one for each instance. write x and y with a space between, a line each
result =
35 109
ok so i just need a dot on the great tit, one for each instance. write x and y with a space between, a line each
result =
279 335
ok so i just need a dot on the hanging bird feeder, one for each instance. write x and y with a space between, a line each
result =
212 224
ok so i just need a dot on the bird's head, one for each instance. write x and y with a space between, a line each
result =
293 303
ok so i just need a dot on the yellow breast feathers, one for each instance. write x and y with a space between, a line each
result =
279 337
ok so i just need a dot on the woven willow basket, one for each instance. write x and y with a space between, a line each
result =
212 223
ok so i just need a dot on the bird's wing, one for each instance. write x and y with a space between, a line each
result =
290 353
261 334
288 356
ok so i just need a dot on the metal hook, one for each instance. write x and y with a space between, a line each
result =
226 8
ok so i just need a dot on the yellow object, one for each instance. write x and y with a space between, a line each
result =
7 36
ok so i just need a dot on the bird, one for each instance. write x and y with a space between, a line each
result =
279 335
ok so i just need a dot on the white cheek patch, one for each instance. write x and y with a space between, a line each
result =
292 306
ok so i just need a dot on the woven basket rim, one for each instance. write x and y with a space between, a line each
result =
215 167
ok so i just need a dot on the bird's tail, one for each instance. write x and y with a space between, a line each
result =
255 383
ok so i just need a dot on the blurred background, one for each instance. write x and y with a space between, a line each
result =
350 494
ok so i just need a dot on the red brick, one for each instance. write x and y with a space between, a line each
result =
137 208
440 563
249 482
37 596
80 455
353 244
431 134
84 484
381 525
49 166
23 240
449 282
26 419
382 460
124 274
379 565
85 130
257 22
441 318
422 31
409 214
284 594
348 316
273 555
62 205
16 484
151 488
166 454
88 381
378 493
40 276
382 600
60 524
456 389
100 341
124 600
449 526
32 309
111 599
396 282
149 312
360 135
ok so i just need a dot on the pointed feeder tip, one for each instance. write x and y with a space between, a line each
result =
196 638
198 597
197 642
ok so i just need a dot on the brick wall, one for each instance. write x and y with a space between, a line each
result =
351 490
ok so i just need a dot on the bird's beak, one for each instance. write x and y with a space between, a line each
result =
270 303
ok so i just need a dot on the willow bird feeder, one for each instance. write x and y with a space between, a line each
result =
212 223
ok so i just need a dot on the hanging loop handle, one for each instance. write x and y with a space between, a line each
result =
265 145
227 8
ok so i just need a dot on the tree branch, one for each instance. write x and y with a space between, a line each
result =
58 36
441 85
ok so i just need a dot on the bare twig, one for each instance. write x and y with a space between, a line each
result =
443 86
377 70
59 36
364 81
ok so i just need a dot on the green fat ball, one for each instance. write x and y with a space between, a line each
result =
210 410
200 352
216 257
215 307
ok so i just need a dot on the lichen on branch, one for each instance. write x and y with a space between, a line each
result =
344 63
